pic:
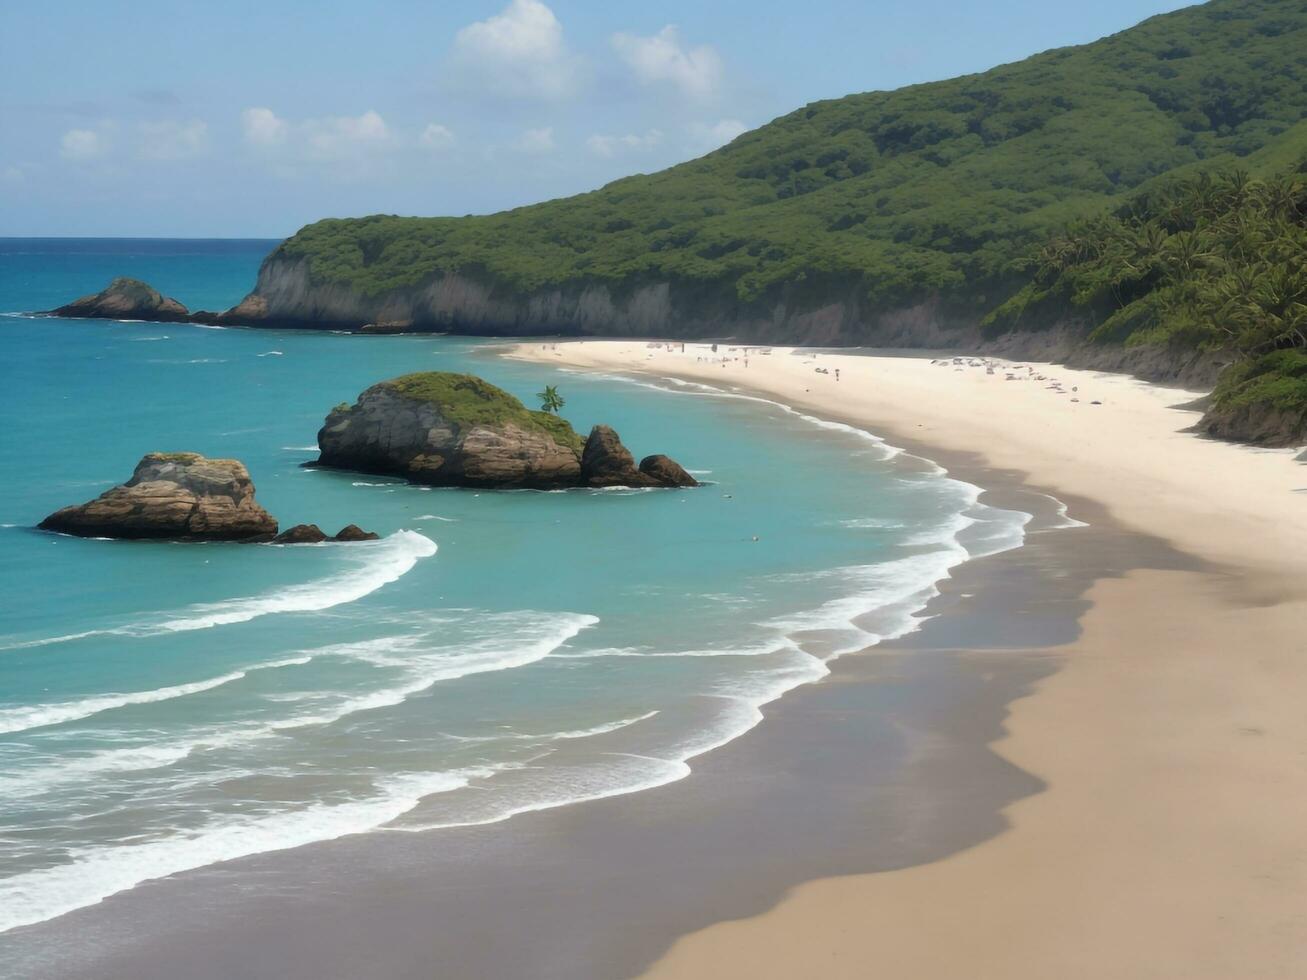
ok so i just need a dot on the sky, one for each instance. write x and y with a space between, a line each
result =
175 118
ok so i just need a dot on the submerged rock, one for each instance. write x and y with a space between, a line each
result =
301 534
457 430
126 299
352 532
181 496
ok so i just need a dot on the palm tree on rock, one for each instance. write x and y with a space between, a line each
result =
550 399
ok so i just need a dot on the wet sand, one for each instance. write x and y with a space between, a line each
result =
1168 839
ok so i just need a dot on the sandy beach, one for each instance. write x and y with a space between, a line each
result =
1168 839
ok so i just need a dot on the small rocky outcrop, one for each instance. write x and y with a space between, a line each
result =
126 299
301 534
181 496
446 429
312 534
352 532
605 462
666 472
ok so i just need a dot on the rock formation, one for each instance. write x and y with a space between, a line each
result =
457 430
352 532
666 472
312 534
301 534
605 462
126 299
180 496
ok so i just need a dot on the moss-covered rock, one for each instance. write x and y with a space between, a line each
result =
126 299
468 401
447 429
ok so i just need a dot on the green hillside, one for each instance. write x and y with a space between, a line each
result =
929 190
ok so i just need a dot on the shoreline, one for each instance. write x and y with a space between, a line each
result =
1165 841
805 838
894 746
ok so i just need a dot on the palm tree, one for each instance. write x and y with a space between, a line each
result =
550 399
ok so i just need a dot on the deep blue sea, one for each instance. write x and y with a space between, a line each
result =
167 706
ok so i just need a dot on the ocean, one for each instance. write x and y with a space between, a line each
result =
164 707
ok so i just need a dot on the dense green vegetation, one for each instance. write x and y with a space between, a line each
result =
1212 263
467 400
928 190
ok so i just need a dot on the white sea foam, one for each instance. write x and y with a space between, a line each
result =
270 353
1064 520
563 736
871 523
374 564
619 774
527 638
92 874
44 715
435 517
299 449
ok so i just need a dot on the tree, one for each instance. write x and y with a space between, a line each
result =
550 399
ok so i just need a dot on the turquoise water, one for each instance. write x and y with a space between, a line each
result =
166 706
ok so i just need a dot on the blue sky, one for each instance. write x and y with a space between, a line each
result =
238 118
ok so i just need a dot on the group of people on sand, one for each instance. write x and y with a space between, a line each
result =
1011 372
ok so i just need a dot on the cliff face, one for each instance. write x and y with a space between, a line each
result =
285 295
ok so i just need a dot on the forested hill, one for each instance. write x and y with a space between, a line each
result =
899 217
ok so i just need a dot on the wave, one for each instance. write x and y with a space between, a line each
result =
92 874
378 563
45 715
622 773
423 666
435 517
299 449
270 353
563 736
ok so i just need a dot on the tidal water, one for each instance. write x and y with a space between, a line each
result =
167 706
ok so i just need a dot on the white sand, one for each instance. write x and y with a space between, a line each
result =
1222 501
1171 843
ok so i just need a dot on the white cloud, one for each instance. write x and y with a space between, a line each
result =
537 140
171 140
338 136
663 58
436 137
518 52
82 144
610 146
13 174
709 137
262 127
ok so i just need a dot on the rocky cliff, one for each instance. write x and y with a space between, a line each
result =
445 429
181 496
